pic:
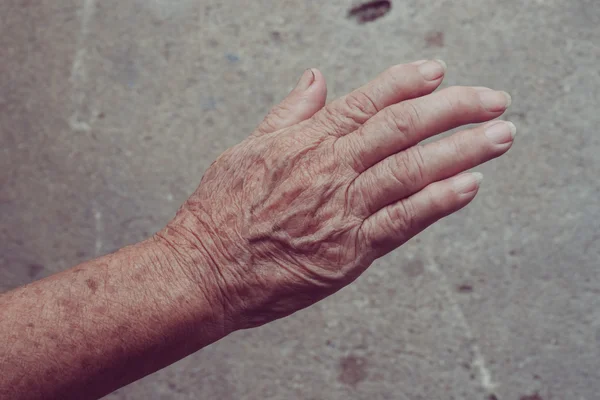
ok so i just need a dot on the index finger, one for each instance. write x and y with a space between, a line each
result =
398 83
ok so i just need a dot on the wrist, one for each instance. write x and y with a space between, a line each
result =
187 265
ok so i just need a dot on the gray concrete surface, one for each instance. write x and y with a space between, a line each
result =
111 110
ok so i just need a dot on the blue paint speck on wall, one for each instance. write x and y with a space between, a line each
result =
209 104
232 58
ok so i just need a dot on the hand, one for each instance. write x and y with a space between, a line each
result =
318 192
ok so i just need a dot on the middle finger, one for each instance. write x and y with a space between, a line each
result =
405 124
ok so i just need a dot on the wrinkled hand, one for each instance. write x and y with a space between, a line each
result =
318 192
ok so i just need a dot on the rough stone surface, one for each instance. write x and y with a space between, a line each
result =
111 110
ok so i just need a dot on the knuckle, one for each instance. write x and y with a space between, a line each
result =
392 224
347 113
460 150
391 72
402 215
389 77
438 200
350 150
397 170
396 121
397 74
280 111
332 121
360 106
268 125
418 164
457 91
461 97
407 117
456 148
273 120
356 201
408 169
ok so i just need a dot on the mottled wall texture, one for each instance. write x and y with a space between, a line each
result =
110 111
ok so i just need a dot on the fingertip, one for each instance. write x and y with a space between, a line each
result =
467 183
316 73
316 93
478 177
306 80
432 70
500 133
317 76
442 63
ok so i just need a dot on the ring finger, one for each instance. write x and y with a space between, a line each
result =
409 171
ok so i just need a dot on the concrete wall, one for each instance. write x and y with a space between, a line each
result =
111 110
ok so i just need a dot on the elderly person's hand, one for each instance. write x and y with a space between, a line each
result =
318 192
290 215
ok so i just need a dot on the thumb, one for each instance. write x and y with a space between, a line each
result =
304 100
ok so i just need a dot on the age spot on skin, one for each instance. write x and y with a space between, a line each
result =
92 284
69 305
121 330
369 11
100 310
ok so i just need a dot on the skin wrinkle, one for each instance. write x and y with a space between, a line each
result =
293 246
410 162
362 105
356 162
290 224
216 237
308 238
202 288
401 124
406 120
230 287
215 268
333 122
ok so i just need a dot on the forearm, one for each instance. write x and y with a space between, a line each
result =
94 328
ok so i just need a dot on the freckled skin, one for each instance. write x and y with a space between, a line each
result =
271 212
85 332
92 284
289 216
286 222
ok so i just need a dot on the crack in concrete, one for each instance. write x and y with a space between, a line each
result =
78 70
98 228
478 361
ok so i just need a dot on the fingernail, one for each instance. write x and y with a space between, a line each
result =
307 78
501 132
494 100
432 70
467 183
